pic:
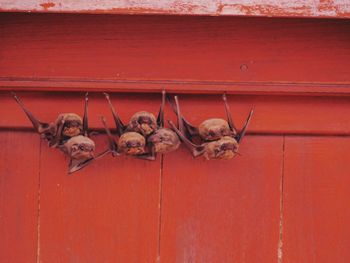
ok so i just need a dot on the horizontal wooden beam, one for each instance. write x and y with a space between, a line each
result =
144 53
178 86
269 8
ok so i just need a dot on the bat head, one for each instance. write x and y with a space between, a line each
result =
73 124
223 149
214 129
80 148
143 122
164 140
132 143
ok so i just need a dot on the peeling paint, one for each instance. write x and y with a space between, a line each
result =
282 8
46 6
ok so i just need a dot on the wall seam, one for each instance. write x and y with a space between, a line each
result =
280 238
160 207
38 210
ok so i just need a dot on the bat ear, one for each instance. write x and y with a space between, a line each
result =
183 124
85 118
41 127
113 147
244 129
160 118
228 115
118 122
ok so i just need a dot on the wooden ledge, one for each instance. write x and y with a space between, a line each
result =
177 86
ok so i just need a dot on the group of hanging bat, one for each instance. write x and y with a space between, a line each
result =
143 137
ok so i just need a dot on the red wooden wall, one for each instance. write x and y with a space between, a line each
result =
284 200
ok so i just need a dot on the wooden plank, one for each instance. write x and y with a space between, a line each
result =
270 8
112 51
19 181
223 211
108 212
316 195
193 87
273 114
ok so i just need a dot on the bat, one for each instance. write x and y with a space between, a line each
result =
68 133
144 136
219 139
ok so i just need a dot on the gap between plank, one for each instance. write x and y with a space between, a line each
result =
38 211
280 238
160 206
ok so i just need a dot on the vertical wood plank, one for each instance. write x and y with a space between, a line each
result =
19 173
223 211
316 197
107 212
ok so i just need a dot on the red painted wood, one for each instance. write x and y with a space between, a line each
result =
273 114
316 197
196 87
220 52
19 181
223 211
305 8
179 210
108 212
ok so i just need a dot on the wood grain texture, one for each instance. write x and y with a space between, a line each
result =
19 180
108 212
270 8
273 114
203 53
192 87
316 197
217 211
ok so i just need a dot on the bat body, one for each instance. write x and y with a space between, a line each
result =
69 133
144 136
164 140
213 129
219 139
73 124
142 122
131 143
223 149
56 133
80 149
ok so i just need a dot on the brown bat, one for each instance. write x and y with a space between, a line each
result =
66 125
69 133
144 136
219 138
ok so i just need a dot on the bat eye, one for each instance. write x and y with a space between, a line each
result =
81 147
128 144
138 144
211 133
